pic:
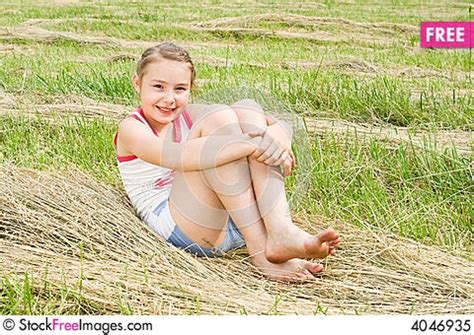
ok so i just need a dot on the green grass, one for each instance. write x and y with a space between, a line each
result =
18 296
78 142
421 195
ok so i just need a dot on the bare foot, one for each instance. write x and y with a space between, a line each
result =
294 270
294 242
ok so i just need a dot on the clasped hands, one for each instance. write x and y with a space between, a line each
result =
274 148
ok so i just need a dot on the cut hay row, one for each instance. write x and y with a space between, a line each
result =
40 34
253 5
66 106
59 107
318 37
67 230
32 31
30 24
462 141
360 67
306 22
423 10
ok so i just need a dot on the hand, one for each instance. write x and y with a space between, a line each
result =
288 164
287 160
276 140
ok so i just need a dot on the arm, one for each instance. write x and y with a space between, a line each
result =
276 142
281 130
196 154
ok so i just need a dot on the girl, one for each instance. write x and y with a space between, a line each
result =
207 178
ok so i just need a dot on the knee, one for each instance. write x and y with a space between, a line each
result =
219 119
247 104
250 115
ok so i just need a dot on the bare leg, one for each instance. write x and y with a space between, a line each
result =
284 239
201 201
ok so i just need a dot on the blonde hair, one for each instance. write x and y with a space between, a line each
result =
168 51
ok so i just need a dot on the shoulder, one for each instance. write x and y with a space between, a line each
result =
130 128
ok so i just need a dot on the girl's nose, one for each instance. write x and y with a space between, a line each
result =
169 97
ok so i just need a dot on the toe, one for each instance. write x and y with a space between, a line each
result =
308 275
301 275
313 267
334 243
327 235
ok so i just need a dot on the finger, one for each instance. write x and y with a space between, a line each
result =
286 171
286 165
275 157
269 151
255 133
261 150
270 119
265 143
257 147
283 158
287 168
293 158
279 162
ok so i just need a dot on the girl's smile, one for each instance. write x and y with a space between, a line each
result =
165 110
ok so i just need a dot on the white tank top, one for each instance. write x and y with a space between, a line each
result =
146 184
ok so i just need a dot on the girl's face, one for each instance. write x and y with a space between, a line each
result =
164 91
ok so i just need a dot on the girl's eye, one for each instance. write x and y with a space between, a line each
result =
181 89
159 86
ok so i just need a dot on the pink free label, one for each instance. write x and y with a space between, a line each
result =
447 35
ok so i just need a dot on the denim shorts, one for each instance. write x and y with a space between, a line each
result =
161 221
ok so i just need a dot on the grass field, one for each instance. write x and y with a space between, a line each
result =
388 147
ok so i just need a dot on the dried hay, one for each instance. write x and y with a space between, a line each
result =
30 30
364 32
11 12
421 73
462 141
306 22
45 218
319 36
57 108
354 66
40 34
